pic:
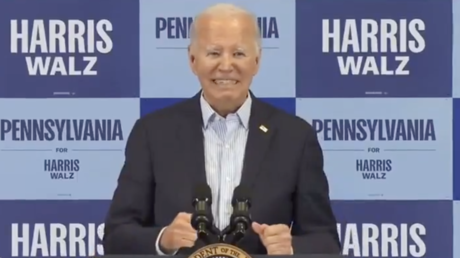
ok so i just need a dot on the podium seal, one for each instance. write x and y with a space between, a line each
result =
220 251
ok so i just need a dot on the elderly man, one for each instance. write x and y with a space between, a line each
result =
224 136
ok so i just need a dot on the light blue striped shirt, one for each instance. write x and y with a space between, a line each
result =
224 148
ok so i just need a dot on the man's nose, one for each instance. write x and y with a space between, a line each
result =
226 64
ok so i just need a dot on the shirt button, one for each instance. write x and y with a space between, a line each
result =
228 178
227 146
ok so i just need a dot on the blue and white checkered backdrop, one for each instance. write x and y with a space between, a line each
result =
378 80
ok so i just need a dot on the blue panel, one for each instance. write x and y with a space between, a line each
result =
395 228
398 48
377 148
87 48
63 148
456 49
65 228
165 72
456 149
151 105
456 228
286 104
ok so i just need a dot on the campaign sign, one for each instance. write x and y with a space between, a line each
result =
151 105
456 147
74 48
63 148
374 148
52 228
395 228
360 48
165 37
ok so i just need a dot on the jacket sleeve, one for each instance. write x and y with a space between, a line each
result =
129 227
314 228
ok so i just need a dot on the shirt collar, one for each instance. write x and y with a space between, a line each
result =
243 113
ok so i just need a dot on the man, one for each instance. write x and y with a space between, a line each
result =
224 136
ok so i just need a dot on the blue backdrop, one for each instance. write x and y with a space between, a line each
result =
377 79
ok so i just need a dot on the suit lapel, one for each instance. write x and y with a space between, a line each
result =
261 132
190 135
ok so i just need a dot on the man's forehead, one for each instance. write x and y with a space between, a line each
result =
217 32
223 29
211 42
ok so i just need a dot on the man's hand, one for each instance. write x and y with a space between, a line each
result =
277 239
178 234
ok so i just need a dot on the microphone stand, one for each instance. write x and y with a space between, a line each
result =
239 233
234 237
203 234
210 236
223 235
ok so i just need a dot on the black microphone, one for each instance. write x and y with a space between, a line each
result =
240 221
202 219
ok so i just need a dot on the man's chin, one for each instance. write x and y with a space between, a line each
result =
227 97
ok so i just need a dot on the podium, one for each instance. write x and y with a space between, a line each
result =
221 250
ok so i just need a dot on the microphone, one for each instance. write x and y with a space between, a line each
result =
202 219
240 221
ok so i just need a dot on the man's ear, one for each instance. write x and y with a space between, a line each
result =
191 58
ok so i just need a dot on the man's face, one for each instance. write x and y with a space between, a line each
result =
225 57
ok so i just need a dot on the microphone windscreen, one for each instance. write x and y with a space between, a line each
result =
241 193
202 192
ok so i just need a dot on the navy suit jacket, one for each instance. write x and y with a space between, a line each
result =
165 160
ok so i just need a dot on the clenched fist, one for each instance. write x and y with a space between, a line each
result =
277 239
178 234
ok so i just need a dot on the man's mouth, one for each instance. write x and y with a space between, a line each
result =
225 82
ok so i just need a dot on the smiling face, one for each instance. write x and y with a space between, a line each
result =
225 57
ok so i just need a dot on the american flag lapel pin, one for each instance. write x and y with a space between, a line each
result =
263 128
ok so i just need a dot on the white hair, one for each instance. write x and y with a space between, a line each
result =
227 10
